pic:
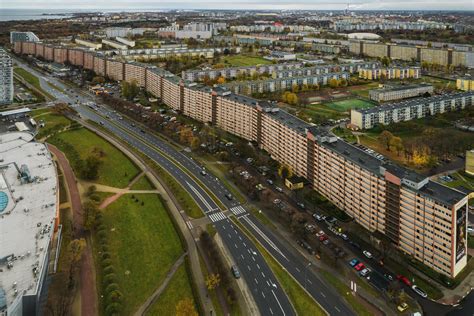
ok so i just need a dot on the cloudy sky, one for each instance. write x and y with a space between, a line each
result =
242 4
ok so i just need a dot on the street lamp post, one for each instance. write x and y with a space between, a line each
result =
305 271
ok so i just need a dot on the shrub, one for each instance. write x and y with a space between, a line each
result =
112 309
106 262
114 297
111 287
108 270
110 278
105 255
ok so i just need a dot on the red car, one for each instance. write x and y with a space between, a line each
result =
403 279
359 267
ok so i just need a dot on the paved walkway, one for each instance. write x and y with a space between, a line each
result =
87 275
152 299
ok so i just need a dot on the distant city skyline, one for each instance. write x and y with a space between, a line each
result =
128 5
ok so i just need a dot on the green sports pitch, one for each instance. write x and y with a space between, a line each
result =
346 105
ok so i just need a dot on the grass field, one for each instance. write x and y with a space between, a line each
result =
31 79
143 184
347 105
243 60
318 113
52 122
178 289
143 245
115 170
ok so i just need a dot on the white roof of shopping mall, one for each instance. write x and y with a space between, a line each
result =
28 209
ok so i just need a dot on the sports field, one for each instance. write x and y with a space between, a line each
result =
348 104
243 60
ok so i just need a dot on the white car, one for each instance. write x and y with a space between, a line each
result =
367 254
279 189
419 291
320 233
365 272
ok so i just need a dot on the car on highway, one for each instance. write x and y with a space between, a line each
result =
203 173
402 307
367 254
344 237
270 182
364 272
359 266
317 217
403 279
133 125
353 262
229 196
279 189
235 272
419 291
101 123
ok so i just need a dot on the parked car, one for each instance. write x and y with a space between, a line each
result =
388 276
402 307
419 291
235 272
323 237
317 217
229 196
344 237
403 279
276 201
353 262
367 254
365 272
320 233
301 205
279 189
326 242
359 266
270 182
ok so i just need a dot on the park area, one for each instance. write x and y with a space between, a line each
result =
243 60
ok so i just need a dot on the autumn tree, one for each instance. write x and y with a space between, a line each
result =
384 138
130 89
333 83
212 281
185 307
284 172
396 144
98 80
221 80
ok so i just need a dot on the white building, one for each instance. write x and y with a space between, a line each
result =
23 37
6 78
28 220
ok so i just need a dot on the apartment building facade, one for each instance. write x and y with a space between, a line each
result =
6 78
411 109
391 93
390 73
423 219
465 84
440 56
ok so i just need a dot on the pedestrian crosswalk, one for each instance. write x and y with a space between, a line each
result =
237 210
217 217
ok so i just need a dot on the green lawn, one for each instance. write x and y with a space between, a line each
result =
115 170
243 60
178 289
318 113
143 245
347 105
461 180
31 79
52 123
143 184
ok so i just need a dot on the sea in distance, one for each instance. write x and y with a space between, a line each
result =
34 14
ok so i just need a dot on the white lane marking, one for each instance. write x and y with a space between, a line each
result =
309 281
298 270
263 295
271 312
237 210
322 294
199 195
248 267
263 274
258 266
279 303
256 280
217 217
264 237
338 310
190 225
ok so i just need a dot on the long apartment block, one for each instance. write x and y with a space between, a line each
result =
411 109
422 218
390 73
282 84
440 56
397 92
284 70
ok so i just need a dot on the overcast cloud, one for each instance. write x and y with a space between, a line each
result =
242 4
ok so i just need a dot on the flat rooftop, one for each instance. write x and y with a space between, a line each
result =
403 87
414 102
28 209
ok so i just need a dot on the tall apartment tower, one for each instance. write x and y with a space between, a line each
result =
6 78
